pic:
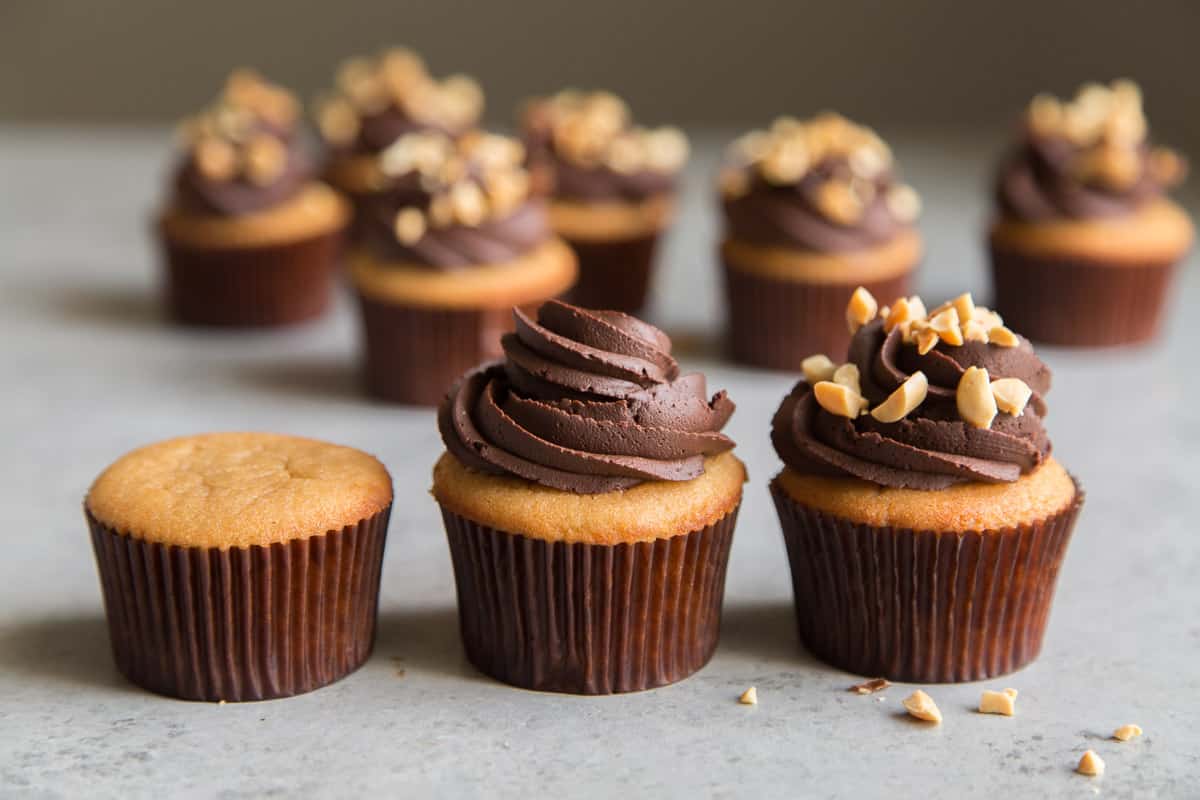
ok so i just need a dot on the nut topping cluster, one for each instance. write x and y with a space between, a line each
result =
471 180
396 78
240 136
851 160
594 130
837 389
1108 127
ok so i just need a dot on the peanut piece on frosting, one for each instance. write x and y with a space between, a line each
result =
470 207
1002 336
901 402
215 159
749 697
265 159
861 309
337 121
1127 732
838 201
409 225
899 313
1011 394
976 405
839 399
848 375
974 331
1004 703
921 706
818 368
926 341
1090 764
964 304
945 325
904 203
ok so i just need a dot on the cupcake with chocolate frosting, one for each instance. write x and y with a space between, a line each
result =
812 210
924 516
452 240
611 189
379 99
589 498
1085 242
249 237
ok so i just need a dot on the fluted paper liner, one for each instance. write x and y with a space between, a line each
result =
584 618
776 324
250 623
251 286
414 354
1080 303
922 606
614 275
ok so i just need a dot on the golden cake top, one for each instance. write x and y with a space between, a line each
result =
221 490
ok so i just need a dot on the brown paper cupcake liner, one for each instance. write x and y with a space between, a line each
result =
588 619
614 276
1080 303
414 354
922 606
251 623
251 286
776 324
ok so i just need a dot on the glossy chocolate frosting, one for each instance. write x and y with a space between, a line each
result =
586 402
568 180
239 195
932 447
788 216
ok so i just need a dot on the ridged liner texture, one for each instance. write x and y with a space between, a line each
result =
614 276
414 354
239 624
776 324
589 619
1080 303
251 286
922 606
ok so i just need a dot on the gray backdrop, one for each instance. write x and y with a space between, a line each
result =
911 64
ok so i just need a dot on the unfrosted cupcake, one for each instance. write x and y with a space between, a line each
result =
378 100
589 500
924 516
248 236
452 240
611 188
240 566
812 210
1084 244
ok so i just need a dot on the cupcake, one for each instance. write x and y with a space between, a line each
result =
589 500
812 210
452 240
924 516
378 100
248 236
611 190
240 566
1084 243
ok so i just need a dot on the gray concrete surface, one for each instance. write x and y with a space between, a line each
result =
90 371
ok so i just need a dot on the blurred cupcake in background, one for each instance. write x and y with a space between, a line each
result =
248 236
452 240
812 210
378 100
1084 243
611 190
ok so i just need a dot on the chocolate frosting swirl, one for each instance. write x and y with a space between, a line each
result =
238 196
789 216
586 402
931 448
565 179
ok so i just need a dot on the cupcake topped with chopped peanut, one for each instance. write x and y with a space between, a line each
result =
1083 229
812 209
611 186
379 99
250 237
924 515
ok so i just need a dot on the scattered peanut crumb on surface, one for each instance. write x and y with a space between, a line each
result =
993 702
220 702
1127 732
870 687
749 697
1090 764
921 706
